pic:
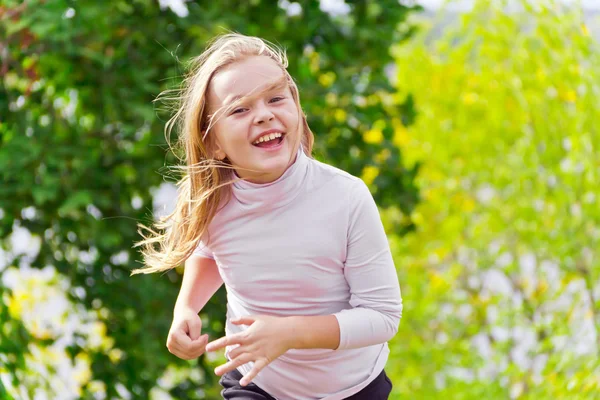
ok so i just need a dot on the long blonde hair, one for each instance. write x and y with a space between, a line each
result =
205 181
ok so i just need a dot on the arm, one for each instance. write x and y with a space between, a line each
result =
318 332
371 275
201 279
374 289
374 296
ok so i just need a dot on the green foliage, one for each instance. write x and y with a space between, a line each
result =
500 277
82 147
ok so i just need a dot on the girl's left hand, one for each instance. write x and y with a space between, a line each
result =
266 339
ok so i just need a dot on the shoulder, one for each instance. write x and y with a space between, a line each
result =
332 177
346 193
335 181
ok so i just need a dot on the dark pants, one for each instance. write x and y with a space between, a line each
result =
378 389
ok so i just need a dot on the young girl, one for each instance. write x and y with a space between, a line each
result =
312 291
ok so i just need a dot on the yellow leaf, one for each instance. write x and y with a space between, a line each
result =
463 202
379 125
470 98
115 355
331 99
541 288
327 79
15 308
373 136
369 174
589 385
417 218
441 252
373 100
575 70
383 155
585 30
39 332
340 115
437 282
96 387
315 61
431 174
568 95
401 137
82 376
540 75
107 343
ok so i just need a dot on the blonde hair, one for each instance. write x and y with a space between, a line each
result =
205 181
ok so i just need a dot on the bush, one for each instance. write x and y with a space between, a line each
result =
500 277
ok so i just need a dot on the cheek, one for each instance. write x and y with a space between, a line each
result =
232 134
291 113
293 118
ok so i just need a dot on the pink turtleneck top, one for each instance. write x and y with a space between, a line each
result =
310 243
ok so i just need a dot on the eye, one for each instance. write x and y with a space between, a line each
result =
238 110
276 99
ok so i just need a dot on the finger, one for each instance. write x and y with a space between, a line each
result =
194 327
189 349
198 345
176 340
217 344
187 345
224 341
247 320
179 352
237 351
180 337
182 355
233 364
258 366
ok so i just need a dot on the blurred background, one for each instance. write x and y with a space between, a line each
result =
475 124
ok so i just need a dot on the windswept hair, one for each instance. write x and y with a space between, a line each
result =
204 184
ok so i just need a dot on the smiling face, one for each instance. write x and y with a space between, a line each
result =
252 101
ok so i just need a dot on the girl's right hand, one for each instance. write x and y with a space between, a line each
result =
184 338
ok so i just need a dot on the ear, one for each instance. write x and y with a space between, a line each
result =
219 153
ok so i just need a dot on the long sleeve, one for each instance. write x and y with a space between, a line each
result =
371 275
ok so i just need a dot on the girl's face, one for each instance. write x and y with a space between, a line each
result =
268 111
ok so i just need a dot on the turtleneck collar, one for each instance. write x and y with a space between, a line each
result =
255 196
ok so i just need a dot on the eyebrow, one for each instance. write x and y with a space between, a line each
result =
278 84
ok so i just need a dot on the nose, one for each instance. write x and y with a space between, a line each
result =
263 113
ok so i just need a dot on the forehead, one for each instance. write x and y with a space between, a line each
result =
245 77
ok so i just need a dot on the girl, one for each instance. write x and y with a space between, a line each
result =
312 291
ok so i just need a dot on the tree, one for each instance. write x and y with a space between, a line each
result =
501 272
82 152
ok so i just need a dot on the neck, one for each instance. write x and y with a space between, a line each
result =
266 177
253 195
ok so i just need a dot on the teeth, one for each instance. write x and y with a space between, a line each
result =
266 138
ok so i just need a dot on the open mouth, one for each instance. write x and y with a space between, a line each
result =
269 141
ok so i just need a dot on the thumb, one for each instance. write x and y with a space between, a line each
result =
194 327
247 320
